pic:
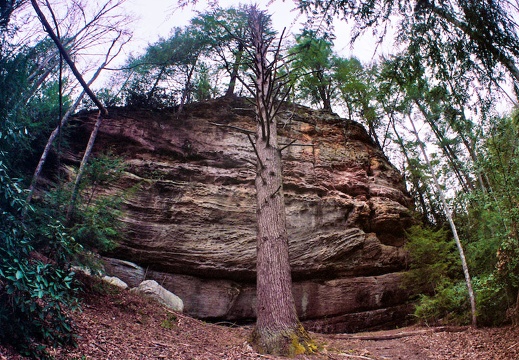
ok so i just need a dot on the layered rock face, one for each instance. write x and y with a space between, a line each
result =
190 218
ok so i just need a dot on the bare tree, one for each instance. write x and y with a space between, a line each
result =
82 27
103 112
63 122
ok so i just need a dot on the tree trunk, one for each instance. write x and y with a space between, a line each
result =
414 179
84 162
187 89
463 178
67 58
277 324
448 215
278 330
234 74
324 91
102 110
53 136
151 93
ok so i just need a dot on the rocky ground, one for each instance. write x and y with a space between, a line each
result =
121 325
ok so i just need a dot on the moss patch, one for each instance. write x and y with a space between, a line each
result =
287 342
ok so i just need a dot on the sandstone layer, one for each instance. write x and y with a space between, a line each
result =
190 217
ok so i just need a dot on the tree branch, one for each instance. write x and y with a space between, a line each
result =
292 143
67 58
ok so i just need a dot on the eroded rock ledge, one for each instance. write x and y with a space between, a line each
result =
190 221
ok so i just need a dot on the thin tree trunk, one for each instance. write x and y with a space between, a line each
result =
67 58
84 162
414 179
450 154
102 110
151 93
234 74
324 92
53 136
448 215
187 89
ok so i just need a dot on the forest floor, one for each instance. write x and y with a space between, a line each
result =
117 324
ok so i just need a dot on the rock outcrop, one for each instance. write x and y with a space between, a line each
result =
190 218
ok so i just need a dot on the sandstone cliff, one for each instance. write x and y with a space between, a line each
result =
190 223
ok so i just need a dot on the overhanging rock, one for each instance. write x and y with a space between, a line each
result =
190 218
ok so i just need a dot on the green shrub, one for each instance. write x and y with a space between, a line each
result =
492 299
449 305
95 223
36 284
435 273
433 259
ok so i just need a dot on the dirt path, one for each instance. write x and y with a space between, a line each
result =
419 343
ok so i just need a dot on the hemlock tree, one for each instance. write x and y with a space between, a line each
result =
356 88
448 215
223 28
477 36
164 75
410 83
313 68
278 330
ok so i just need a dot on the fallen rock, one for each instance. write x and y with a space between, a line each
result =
115 281
152 289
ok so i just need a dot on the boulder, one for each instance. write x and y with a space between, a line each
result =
152 289
115 281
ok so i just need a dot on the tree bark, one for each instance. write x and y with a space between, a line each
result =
276 313
278 330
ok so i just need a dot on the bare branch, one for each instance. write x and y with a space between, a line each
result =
67 58
244 131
